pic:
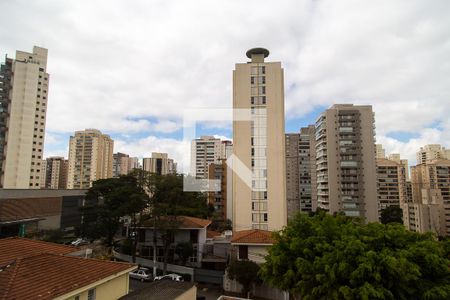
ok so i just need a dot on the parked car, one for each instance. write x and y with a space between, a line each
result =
79 242
174 277
142 274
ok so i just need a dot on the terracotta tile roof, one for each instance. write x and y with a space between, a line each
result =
211 233
46 276
15 247
253 236
160 290
183 222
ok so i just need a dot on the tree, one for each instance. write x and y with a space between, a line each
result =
167 202
184 251
338 257
245 272
392 214
107 201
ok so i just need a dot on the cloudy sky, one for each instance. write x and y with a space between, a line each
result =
130 68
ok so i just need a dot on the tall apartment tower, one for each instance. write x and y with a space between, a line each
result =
380 152
219 198
226 149
345 154
124 164
430 210
23 108
404 162
432 152
301 180
160 163
391 184
258 144
205 150
54 173
90 158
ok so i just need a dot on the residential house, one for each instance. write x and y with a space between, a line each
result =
33 269
183 229
252 245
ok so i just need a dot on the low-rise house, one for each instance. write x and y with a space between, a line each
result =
32 269
181 229
252 245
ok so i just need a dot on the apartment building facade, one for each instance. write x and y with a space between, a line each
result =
301 182
90 158
432 152
123 164
160 163
345 160
54 172
219 197
391 184
24 83
205 150
430 183
259 202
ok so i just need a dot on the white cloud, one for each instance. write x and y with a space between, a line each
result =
115 66
409 148
177 149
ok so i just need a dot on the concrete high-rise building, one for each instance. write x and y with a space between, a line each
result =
219 198
345 159
123 164
258 144
205 150
226 149
160 163
90 158
380 152
301 181
425 217
431 186
23 107
404 162
432 152
54 173
391 184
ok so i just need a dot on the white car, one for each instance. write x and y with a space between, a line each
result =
79 242
142 274
174 277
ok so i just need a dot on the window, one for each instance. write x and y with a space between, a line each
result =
91 294
243 252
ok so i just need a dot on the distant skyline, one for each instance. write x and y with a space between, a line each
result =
129 70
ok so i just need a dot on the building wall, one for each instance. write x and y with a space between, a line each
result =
345 153
54 209
263 204
6 72
432 152
190 294
205 150
111 289
391 184
54 173
301 181
380 152
159 163
430 183
90 158
26 122
292 174
219 198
